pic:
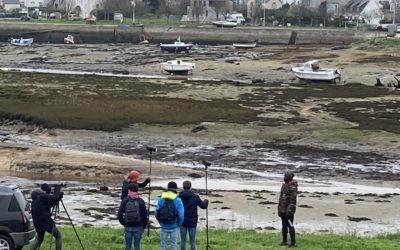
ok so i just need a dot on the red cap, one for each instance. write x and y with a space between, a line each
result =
133 175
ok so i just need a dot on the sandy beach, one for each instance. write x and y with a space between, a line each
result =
346 186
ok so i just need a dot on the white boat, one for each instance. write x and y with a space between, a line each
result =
244 45
311 71
177 66
225 24
21 41
69 39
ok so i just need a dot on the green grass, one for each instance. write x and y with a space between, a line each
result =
107 103
108 238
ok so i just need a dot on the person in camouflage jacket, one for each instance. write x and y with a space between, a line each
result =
287 208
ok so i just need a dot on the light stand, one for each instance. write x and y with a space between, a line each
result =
151 150
206 165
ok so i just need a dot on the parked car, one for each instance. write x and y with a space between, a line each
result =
16 225
2 15
25 18
73 17
235 17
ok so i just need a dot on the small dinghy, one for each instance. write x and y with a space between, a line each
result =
21 41
244 45
69 39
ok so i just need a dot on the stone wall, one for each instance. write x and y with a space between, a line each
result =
48 33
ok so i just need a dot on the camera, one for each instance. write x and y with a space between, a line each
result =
206 163
151 149
58 189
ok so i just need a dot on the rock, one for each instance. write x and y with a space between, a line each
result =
198 128
103 188
388 81
357 219
195 175
259 80
331 215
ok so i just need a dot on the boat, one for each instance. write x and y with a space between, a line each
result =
177 67
244 45
311 71
69 39
225 24
21 41
177 46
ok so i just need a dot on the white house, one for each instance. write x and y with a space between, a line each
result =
35 3
369 10
10 5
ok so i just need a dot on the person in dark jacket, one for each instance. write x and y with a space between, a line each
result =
287 208
132 177
42 203
133 230
190 202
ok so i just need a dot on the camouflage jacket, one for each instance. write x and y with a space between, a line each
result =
288 198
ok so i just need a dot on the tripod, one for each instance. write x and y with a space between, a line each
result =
206 165
56 210
151 150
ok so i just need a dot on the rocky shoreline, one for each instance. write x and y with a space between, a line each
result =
346 164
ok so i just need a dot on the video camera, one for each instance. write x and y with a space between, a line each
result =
206 163
57 189
151 149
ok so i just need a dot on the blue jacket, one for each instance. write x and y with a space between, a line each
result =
125 185
171 194
142 209
190 202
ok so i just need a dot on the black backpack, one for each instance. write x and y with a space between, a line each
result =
132 212
167 212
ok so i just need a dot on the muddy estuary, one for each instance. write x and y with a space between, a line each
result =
243 111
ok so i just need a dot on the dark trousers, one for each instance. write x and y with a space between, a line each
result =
287 224
40 238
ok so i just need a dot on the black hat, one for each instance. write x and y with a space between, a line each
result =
172 185
46 188
133 187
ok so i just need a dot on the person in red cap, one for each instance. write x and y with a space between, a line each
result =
132 177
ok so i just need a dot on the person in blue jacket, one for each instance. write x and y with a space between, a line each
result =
190 202
133 229
169 213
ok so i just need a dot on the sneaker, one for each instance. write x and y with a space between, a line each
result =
292 245
283 244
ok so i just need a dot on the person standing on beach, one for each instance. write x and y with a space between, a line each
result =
190 203
132 177
132 214
287 208
169 213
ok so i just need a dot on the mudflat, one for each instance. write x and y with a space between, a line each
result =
244 111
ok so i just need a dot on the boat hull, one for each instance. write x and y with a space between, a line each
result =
172 48
244 45
327 75
221 24
22 42
177 68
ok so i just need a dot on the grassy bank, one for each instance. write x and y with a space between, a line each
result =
107 238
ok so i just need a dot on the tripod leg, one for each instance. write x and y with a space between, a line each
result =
72 224
148 203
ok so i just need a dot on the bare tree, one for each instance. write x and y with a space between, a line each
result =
197 9
221 8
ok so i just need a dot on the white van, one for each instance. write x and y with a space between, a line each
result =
235 17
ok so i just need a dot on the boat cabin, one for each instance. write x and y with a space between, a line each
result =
311 65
